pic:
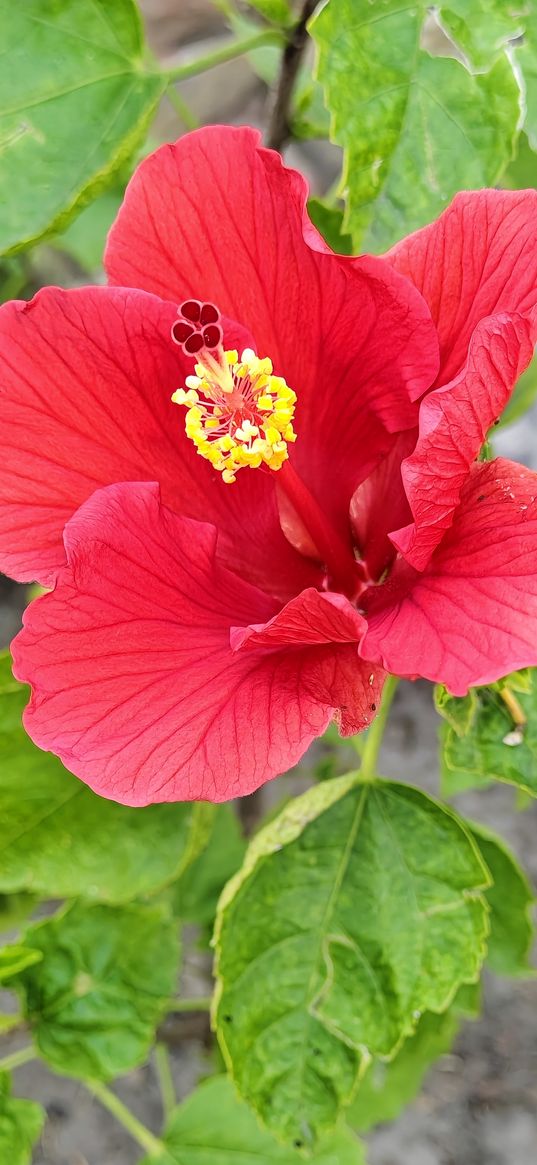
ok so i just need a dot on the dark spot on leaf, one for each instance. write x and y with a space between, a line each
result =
373 707
228 1019
481 497
298 1144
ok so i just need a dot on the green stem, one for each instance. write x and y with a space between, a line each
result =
200 1003
516 712
373 740
228 52
185 113
10 1021
17 1059
137 1130
165 1079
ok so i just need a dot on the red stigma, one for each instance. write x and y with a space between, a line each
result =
198 327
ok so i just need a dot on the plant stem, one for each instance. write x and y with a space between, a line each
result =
373 741
228 52
200 1003
165 1079
138 1131
17 1059
516 712
280 128
185 113
8 1022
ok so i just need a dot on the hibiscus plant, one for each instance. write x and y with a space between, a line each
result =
249 482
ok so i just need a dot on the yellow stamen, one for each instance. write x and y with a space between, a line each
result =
239 413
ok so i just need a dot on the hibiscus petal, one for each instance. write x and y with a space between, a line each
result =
472 616
135 685
85 400
311 617
479 258
315 619
379 505
216 216
453 424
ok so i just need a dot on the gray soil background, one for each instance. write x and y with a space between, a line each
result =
479 1104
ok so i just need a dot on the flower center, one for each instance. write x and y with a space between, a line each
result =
239 413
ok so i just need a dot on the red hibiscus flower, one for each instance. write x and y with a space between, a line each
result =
236 566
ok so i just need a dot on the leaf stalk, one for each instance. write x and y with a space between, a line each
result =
373 740
199 1003
115 1106
165 1079
228 52
17 1059
279 130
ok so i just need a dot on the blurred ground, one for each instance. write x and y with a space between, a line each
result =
479 1106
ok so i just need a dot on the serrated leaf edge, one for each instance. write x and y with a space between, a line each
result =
283 831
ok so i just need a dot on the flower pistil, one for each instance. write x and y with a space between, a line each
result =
239 413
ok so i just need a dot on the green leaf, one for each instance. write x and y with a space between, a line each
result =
511 900
415 128
85 237
482 28
459 711
15 908
523 396
13 279
60 839
454 781
388 1087
521 174
21 1122
104 983
526 57
16 958
467 1001
76 97
277 11
214 1127
356 909
196 893
329 221
309 117
494 749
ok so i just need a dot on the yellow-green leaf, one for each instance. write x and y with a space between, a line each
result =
61 840
415 128
102 986
76 96
358 908
21 1122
